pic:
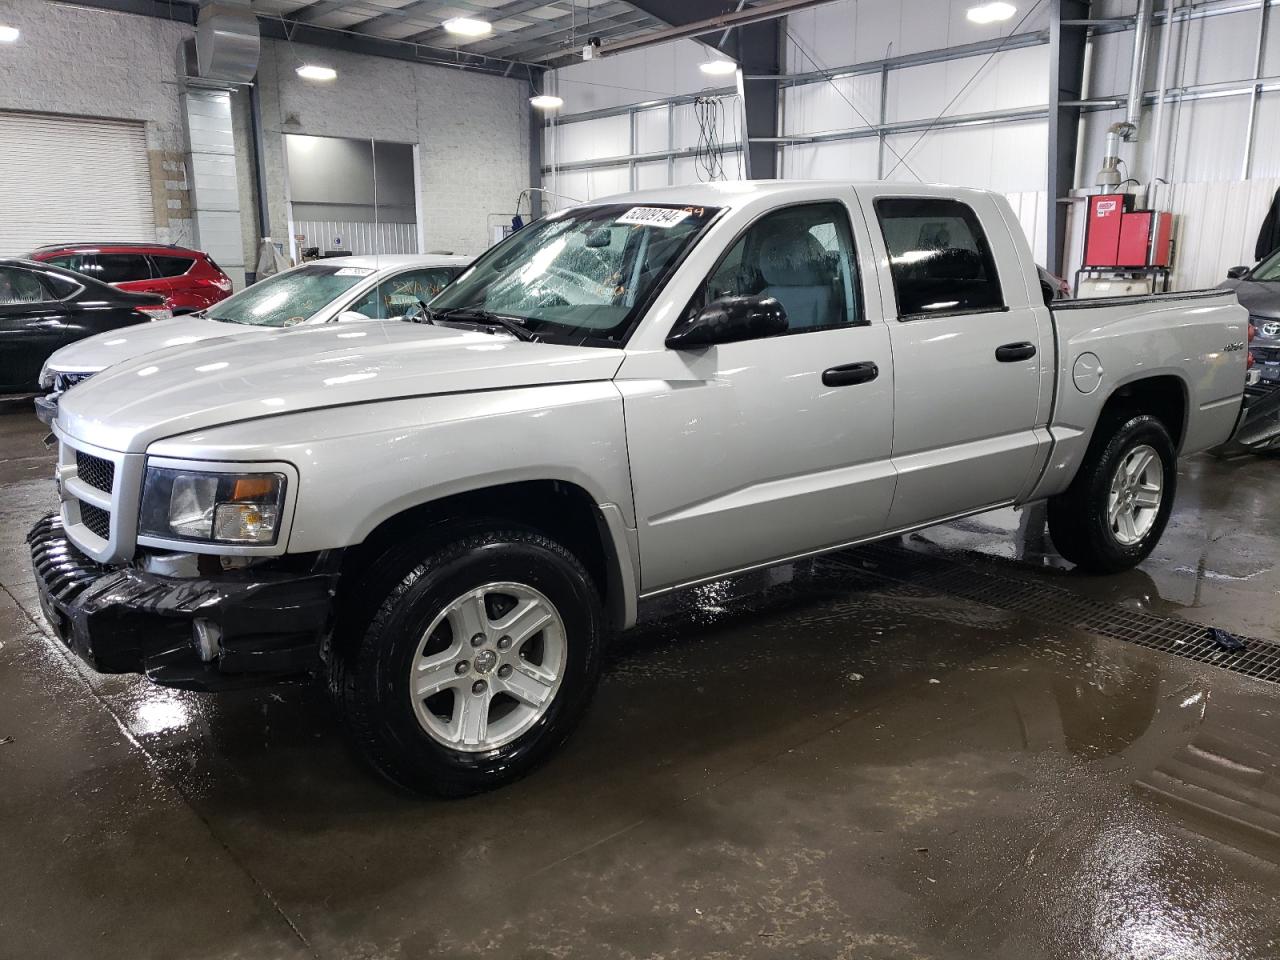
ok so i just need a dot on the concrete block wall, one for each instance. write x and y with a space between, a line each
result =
472 132
87 62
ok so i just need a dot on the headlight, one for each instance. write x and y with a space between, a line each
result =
214 507
46 377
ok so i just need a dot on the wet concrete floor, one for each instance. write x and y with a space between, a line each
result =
814 762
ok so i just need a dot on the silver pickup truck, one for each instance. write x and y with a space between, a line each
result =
622 399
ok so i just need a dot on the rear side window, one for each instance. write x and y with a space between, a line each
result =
939 257
20 286
172 266
122 267
70 261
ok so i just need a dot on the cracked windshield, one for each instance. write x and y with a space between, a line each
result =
582 275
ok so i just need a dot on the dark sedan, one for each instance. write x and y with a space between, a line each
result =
43 307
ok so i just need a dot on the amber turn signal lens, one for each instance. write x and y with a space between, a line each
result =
254 488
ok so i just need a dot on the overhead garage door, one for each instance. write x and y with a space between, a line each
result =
72 179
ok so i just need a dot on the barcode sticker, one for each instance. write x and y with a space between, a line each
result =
653 216
353 272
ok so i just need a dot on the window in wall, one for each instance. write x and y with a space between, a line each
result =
802 257
939 257
390 299
20 286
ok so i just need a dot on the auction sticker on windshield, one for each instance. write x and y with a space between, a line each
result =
353 272
653 216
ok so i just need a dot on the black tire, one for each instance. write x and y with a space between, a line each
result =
1078 521
370 666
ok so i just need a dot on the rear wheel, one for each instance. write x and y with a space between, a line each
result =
476 665
1114 512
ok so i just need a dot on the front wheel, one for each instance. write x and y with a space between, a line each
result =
476 665
1114 512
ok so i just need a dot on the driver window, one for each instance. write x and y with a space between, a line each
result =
801 256
391 298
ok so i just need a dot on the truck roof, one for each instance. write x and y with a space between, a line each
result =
733 193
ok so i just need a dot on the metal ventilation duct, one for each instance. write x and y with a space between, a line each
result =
227 41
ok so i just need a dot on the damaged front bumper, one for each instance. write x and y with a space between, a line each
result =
206 633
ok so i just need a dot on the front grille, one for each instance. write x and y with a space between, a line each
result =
97 472
1266 354
97 520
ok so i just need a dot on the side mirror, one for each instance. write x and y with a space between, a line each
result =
729 320
1235 273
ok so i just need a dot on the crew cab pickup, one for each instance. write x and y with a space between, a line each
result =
447 518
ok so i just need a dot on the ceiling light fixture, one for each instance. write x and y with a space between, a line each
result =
8 34
991 12
546 101
312 71
467 27
718 68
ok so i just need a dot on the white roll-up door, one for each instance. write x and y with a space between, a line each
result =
71 179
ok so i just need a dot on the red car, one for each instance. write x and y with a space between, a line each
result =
188 279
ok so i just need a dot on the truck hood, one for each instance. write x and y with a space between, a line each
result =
186 388
95 353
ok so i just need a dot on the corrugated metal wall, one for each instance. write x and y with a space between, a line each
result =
359 238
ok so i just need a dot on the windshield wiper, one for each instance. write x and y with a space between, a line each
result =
477 315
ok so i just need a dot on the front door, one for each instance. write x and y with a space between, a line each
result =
750 452
971 354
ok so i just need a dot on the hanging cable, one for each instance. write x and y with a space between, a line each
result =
708 155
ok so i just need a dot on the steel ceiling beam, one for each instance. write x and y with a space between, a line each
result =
687 27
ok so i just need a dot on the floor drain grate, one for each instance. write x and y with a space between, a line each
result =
1041 601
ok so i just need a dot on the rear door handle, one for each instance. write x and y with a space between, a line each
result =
850 373
1013 352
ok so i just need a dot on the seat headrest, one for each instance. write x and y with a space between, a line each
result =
790 256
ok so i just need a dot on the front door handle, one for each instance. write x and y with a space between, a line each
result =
850 373
1013 352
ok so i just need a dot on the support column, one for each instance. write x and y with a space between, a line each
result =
759 47
1067 41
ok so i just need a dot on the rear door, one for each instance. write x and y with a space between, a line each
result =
169 278
973 353
125 269
750 452
32 326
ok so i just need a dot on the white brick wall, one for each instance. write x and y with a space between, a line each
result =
77 60
472 130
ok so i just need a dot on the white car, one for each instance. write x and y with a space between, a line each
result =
322 291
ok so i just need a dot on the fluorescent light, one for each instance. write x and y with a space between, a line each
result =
718 68
312 71
546 101
467 27
991 12
8 34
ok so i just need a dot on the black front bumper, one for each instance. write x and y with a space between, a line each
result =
269 624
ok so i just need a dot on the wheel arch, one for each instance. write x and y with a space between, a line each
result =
1164 396
563 510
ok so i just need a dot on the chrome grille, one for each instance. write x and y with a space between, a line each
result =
96 471
98 521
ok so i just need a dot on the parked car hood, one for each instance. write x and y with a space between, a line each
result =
100 351
188 388
1261 298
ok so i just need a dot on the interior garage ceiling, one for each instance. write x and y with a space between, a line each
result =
533 32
